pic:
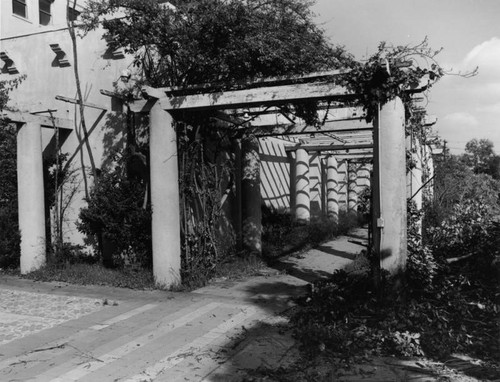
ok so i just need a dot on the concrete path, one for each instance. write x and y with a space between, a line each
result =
62 332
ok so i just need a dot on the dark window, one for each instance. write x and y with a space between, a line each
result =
72 14
44 8
19 8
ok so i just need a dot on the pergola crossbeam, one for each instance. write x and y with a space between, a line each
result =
330 147
267 96
78 102
44 121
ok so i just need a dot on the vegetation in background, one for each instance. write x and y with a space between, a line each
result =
450 300
9 226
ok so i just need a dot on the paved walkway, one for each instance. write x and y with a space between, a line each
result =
61 332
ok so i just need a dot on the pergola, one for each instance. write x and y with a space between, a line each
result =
387 148
385 141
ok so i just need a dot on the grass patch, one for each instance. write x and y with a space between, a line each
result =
96 274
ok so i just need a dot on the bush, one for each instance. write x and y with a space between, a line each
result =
421 266
9 226
463 232
116 223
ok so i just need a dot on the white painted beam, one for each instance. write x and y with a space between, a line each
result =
272 95
44 121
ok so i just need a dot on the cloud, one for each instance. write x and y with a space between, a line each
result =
461 118
492 108
486 56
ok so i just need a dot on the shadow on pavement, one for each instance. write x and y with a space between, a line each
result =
334 252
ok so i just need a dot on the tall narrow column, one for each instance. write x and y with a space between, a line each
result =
416 176
363 177
332 193
352 188
302 198
250 196
237 216
164 198
31 197
389 196
428 173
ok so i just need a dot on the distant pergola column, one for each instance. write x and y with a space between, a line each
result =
164 198
415 176
352 191
251 196
363 178
332 192
302 196
31 196
428 165
389 206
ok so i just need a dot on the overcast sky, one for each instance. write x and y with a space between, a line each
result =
467 30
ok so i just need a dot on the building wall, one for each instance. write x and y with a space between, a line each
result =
48 76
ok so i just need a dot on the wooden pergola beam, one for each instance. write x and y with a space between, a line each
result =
266 96
78 102
44 121
269 131
331 147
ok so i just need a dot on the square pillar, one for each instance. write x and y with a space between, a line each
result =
389 186
166 232
31 198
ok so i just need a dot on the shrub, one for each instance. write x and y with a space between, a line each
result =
463 232
421 267
115 221
9 227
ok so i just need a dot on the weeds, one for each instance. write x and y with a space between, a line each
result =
95 274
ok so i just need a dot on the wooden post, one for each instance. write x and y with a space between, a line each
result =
164 198
389 188
250 196
31 197
302 197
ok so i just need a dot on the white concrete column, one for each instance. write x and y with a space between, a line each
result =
363 177
164 198
428 167
389 186
302 197
31 200
332 192
250 196
352 188
416 175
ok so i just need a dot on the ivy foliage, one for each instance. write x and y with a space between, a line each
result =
393 72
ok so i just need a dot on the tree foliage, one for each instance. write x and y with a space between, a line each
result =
481 158
207 41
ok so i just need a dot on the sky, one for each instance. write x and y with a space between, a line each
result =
467 30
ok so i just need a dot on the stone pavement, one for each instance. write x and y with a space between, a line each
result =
61 332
